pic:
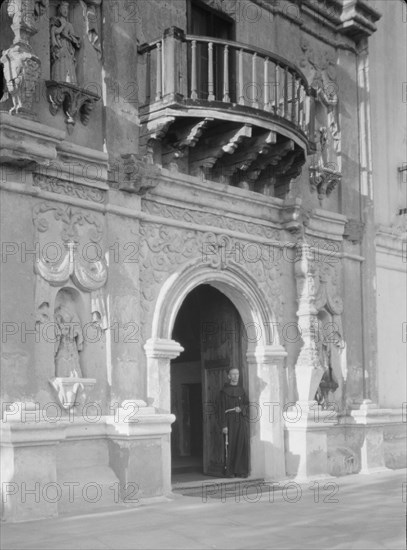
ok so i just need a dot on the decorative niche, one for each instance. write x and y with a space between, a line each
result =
72 27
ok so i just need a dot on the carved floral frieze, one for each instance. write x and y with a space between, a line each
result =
210 219
166 249
56 185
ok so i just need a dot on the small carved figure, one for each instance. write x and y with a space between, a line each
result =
64 42
69 343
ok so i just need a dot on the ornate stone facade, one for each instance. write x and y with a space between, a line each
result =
179 178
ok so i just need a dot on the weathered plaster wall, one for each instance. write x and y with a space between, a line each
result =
388 65
388 62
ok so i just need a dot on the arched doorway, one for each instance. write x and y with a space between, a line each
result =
210 329
265 358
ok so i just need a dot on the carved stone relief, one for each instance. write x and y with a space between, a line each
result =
64 90
165 249
134 173
318 369
70 265
326 166
209 219
56 185
330 335
91 15
22 68
65 42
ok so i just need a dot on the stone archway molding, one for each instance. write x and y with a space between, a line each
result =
265 358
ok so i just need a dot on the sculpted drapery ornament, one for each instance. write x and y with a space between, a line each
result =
22 68
87 276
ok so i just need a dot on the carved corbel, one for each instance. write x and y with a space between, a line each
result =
74 101
136 175
72 391
189 136
354 230
214 147
256 148
22 68
323 179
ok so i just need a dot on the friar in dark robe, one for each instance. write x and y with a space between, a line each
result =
234 421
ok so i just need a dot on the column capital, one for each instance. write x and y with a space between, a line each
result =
162 348
269 354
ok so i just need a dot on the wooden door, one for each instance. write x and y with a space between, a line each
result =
222 346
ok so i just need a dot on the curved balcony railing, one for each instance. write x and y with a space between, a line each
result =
207 70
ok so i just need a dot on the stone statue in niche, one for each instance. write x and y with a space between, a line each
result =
64 43
328 385
69 342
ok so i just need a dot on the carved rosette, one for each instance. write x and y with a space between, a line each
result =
22 68
74 101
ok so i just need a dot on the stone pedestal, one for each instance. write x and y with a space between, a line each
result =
371 420
53 466
265 368
28 469
140 451
306 438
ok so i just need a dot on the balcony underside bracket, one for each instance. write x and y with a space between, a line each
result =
214 146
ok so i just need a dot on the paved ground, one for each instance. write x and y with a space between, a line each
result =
360 512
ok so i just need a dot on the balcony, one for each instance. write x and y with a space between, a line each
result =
225 110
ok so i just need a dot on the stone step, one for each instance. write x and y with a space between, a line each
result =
219 488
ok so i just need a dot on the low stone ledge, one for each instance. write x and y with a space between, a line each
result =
23 141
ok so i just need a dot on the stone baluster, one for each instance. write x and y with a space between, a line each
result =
285 104
241 81
194 76
159 78
226 97
255 103
266 97
293 97
211 95
276 89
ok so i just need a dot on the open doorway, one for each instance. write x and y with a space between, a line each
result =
211 331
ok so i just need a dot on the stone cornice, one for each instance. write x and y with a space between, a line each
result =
23 141
358 19
351 19
326 225
389 241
